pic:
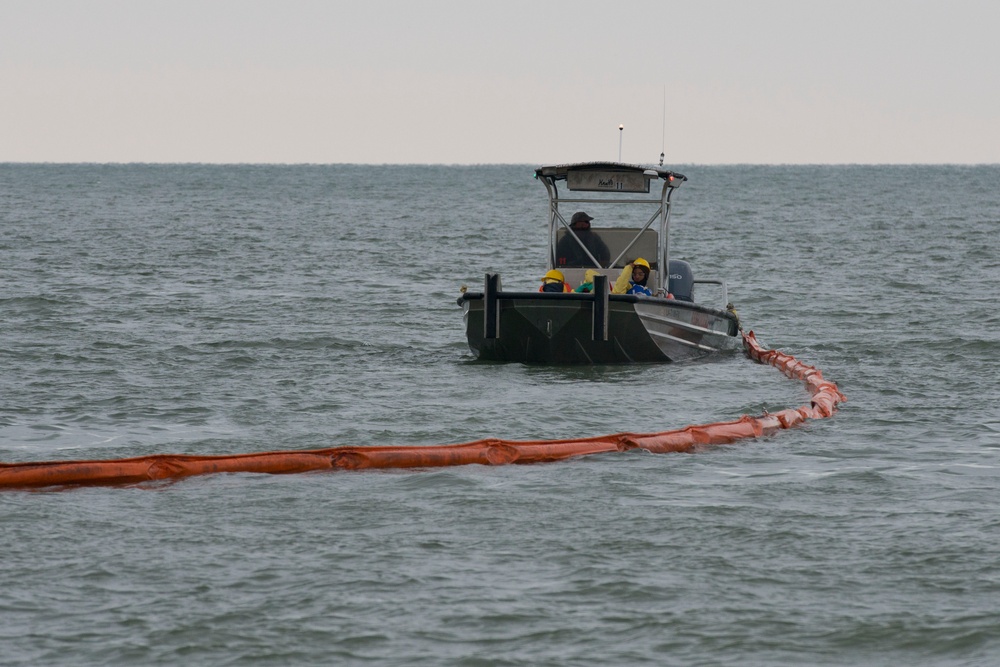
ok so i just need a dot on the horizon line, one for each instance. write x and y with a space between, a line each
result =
481 164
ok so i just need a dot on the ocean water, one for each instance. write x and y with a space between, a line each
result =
223 309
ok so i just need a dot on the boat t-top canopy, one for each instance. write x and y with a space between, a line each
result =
609 176
615 179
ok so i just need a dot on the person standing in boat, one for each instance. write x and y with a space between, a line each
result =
554 281
569 252
633 278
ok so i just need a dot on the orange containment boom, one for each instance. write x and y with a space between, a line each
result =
825 397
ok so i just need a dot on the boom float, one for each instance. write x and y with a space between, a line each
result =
825 397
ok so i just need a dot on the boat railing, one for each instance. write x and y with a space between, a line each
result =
720 283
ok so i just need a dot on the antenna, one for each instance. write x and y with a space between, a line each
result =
663 141
620 128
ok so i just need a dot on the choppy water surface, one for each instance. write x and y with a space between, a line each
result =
216 309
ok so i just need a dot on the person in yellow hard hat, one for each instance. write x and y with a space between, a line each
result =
633 278
554 281
587 286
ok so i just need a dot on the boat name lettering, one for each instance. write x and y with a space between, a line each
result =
603 181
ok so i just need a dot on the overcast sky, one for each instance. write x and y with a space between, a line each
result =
370 81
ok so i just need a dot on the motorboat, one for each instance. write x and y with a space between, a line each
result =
601 327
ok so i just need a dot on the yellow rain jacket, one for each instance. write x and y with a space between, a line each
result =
624 284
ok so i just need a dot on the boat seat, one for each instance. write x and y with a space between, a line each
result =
617 238
575 276
681 279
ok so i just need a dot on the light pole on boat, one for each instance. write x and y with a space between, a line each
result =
663 141
620 128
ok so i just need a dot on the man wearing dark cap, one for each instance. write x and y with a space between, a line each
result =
569 252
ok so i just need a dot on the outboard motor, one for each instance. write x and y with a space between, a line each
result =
681 280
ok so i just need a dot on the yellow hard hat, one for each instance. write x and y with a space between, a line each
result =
640 262
554 275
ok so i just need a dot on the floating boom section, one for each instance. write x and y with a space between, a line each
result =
825 397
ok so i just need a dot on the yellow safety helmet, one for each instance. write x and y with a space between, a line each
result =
639 261
554 275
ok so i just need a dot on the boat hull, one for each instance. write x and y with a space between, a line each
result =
556 328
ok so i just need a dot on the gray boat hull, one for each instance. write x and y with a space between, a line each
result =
552 328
